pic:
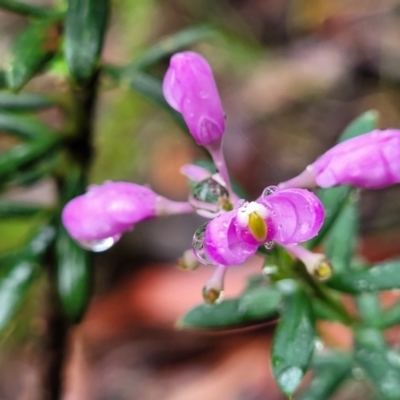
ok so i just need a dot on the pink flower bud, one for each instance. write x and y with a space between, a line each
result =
369 161
110 209
190 89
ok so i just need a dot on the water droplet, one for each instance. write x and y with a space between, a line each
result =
209 197
269 190
269 269
393 357
99 245
319 345
203 94
269 245
287 286
289 379
198 245
362 284
304 227
212 295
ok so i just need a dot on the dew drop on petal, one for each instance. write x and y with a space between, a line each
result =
209 197
304 228
98 246
268 190
198 245
203 94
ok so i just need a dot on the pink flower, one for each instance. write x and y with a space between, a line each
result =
217 242
287 216
110 209
190 89
369 161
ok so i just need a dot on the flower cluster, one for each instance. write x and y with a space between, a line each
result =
286 214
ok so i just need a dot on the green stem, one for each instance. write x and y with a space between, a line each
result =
80 152
322 293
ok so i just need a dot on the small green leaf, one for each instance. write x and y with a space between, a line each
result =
255 306
25 153
365 123
341 239
24 101
74 272
334 200
293 342
260 303
34 47
85 25
383 276
73 276
330 358
11 209
33 172
23 127
390 317
381 364
325 382
322 311
14 284
171 45
26 9
369 307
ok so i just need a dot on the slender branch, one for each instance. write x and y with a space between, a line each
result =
80 151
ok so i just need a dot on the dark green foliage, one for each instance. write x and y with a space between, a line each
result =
24 101
24 127
256 305
25 153
383 276
74 272
293 343
85 26
381 364
18 271
33 48
73 276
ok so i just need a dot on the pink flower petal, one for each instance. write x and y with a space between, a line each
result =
221 244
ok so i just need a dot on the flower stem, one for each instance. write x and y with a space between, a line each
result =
169 207
215 149
320 291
